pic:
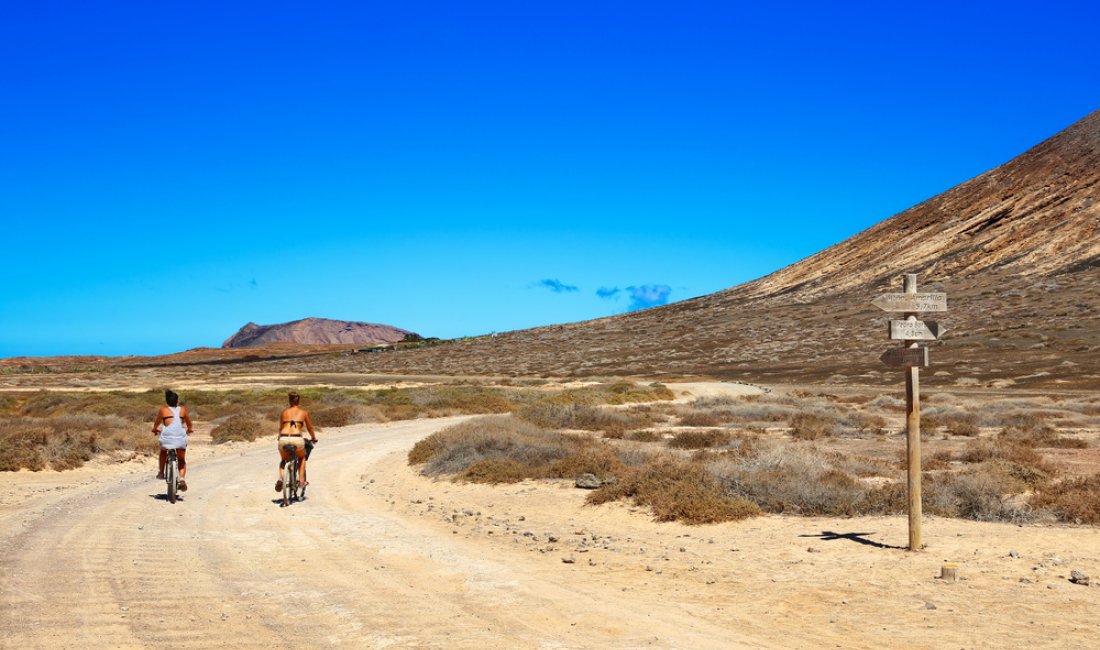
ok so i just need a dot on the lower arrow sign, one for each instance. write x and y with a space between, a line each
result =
906 357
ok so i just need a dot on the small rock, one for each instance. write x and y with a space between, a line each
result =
568 559
930 605
588 482
1014 553
817 550
1079 578
551 538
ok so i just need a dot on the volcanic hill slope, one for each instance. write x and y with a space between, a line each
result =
317 331
1016 249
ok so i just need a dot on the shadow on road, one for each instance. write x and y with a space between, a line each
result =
858 538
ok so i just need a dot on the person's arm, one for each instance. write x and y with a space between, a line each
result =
309 427
157 422
187 420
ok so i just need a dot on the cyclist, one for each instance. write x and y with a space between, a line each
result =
293 419
171 420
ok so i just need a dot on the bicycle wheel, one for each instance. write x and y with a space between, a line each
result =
172 477
294 483
288 483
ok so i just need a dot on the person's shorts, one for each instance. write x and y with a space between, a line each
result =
298 441
173 442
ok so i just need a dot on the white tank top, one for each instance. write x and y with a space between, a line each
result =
174 435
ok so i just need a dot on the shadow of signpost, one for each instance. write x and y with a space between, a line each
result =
859 538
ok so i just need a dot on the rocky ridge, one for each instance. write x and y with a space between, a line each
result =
317 331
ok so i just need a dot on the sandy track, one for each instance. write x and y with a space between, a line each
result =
109 563
381 557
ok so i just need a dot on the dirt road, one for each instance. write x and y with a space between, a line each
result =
381 557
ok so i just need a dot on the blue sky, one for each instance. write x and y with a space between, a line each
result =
170 171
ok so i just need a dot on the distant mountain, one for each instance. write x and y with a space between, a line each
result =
1016 249
317 331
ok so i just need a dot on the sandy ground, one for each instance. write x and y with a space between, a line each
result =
379 557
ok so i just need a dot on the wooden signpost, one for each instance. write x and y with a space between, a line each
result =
912 356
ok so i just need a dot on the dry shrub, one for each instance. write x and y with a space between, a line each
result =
579 416
700 439
979 451
132 407
620 392
1025 425
677 491
237 427
699 419
982 493
1074 500
887 402
755 409
8 404
495 470
785 478
67 441
1031 430
866 423
504 450
456 448
593 458
714 402
811 426
799 488
644 435
960 424
344 415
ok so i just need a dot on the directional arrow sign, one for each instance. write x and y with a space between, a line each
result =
915 330
907 357
911 302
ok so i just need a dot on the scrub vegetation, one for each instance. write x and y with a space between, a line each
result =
722 459
62 430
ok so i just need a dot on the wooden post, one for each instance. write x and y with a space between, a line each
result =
912 431
911 356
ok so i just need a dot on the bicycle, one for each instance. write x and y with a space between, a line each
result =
292 491
172 475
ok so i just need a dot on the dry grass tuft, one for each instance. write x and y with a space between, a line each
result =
550 415
700 419
700 439
503 449
67 441
237 427
1074 500
785 478
677 491
453 449
644 435
811 426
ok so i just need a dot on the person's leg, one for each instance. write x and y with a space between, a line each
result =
302 466
161 463
181 458
283 458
